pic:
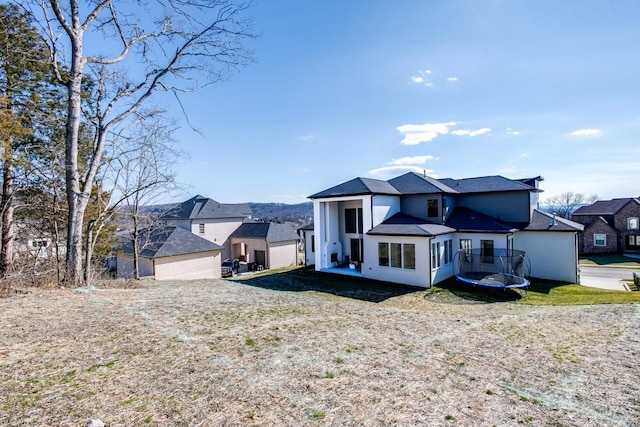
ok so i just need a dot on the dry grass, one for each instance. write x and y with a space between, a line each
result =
269 351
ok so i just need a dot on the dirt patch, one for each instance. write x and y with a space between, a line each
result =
233 353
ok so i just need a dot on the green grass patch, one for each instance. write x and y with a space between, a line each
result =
610 260
540 292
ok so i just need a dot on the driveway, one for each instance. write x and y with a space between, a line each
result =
605 277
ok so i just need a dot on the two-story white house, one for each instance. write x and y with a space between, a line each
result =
409 229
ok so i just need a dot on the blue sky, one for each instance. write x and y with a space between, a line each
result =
456 88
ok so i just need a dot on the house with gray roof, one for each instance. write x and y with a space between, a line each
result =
410 229
268 245
209 219
170 253
611 226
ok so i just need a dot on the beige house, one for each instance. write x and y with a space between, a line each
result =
269 245
171 253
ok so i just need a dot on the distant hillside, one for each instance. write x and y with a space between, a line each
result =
301 213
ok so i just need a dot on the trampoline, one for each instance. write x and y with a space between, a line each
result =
501 268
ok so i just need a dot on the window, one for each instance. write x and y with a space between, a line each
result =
313 243
396 255
353 220
435 255
409 255
432 208
39 244
600 240
632 223
201 228
486 251
633 242
448 251
383 254
465 246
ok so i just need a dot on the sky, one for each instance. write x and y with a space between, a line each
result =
450 88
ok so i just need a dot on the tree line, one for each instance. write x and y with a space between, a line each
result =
82 134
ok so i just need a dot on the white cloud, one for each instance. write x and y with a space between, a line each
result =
452 79
427 71
512 132
307 137
396 170
417 79
428 84
414 160
466 132
415 134
524 155
586 132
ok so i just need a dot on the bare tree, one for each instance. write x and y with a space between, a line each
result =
564 204
151 46
142 176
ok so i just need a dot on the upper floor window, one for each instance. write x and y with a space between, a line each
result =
632 223
353 220
432 208
600 240
201 228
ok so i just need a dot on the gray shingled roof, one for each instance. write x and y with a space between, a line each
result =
405 225
170 241
604 207
542 221
486 184
358 186
465 219
269 231
308 227
413 183
200 207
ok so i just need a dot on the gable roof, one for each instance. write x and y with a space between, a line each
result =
405 225
200 207
486 184
465 219
543 221
605 207
358 186
413 183
308 227
170 241
268 231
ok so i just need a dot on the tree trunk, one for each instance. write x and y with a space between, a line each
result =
6 250
76 199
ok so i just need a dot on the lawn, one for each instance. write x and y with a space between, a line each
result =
301 348
610 261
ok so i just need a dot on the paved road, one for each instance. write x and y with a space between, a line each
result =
605 277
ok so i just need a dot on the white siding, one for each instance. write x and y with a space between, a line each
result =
202 265
383 207
445 271
309 254
552 255
418 277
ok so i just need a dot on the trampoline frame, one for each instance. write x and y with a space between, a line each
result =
504 279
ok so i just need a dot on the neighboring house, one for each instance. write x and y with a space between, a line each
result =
209 219
307 236
269 245
611 226
409 229
171 253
